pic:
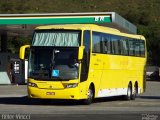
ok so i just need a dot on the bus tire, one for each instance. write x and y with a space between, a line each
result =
135 91
90 96
129 92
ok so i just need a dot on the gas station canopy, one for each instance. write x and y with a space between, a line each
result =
12 25
109 19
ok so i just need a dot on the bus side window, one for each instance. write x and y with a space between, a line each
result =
131 47
112 46
123 46
96 42
137 48
115 45
106 44
142 48
109 48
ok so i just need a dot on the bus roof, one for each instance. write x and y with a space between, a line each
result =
90 27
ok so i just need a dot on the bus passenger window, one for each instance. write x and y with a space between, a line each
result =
109 47
123 46
96 43
142 49
115 45
131 47
106 44
105 47
137 48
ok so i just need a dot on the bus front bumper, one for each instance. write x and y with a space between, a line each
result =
67 93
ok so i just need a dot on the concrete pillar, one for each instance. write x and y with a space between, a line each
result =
4 42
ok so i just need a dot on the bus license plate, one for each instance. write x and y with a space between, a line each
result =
50 93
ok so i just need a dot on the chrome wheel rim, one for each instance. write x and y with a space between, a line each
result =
129 92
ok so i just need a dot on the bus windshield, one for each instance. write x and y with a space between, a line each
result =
53 63
67 38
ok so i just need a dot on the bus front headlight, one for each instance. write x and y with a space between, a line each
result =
32 84
72 85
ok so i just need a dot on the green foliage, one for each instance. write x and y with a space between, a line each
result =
143 13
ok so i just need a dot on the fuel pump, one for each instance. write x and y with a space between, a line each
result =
18 71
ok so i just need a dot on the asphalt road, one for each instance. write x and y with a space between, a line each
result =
15 105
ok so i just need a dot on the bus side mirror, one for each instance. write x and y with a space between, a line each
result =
22 51
80 52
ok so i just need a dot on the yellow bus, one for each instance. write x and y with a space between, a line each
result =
83 62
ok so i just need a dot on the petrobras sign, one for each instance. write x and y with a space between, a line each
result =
55 19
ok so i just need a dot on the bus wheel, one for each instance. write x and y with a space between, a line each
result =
129 92
90 96
135 91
